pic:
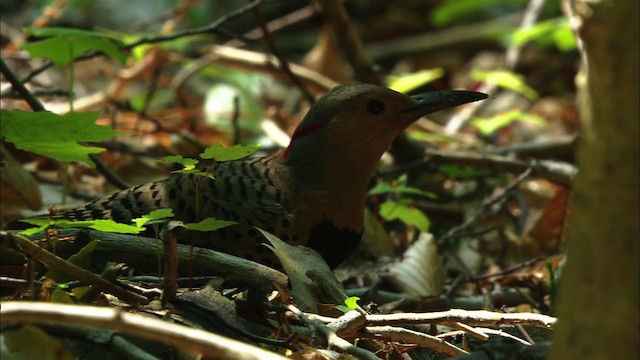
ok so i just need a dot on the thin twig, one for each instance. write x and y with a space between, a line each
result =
115 319
45 257
511 59
349 41
486 204
556 171
284 63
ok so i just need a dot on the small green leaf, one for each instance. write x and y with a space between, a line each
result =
391 210
547 33
507 80
188 163
398 187
63 45
465 173
40 224
488 126
155 215
352 302
55 136
343 308
235 152
209 224
106 225
408 82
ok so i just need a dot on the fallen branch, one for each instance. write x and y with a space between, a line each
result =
186 338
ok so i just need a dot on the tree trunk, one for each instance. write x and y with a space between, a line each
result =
599 296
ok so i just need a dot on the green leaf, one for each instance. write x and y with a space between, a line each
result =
464 173
63 45
430 136
31 342
488 126
408 82
399 186
155 215
107 225
547 33
449 11
507 80
235 152
209 224
82 259
391 210
55 136
188 163
352 302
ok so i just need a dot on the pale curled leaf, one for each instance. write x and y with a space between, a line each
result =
421 272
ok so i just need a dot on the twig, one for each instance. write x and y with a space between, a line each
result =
19 88
283 22
141 253
256 61
418 338
184 337
447 38
211 28
556 171
468 317
334 340
510 270
169 237
511 59
486 204
235 120
284 63
45 257
350 41
522 331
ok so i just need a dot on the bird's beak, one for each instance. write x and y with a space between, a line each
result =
429 102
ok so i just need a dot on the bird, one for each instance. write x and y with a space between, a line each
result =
312 193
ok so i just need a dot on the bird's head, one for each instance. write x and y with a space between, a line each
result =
363 119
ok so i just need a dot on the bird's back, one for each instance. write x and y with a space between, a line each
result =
252 192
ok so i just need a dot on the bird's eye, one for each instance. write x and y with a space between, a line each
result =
375 106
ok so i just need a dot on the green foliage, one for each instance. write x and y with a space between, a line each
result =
209 224
430 136
465 173
81 259
405 212
106 225
452 10
55 136
406 83
506 79
156 216
488 126
350 303
553 32
215 151
187 163
399 186
63 45
235 152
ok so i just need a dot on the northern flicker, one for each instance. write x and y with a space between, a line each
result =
311 194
